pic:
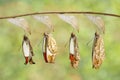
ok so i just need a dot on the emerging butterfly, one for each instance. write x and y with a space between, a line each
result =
74 54
49 48
27 50
97 51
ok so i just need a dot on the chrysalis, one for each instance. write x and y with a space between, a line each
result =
45 20
74 53
49 48
21 22
70 20
98 21
97 51
27 50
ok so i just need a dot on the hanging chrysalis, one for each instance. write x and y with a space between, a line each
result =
49 48
74 54
98 21
97 51
27 50
72 20
21 22
45 20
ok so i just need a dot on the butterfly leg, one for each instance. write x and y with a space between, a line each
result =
31 61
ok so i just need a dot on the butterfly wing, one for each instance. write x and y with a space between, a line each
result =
49 48
26 51
44 48
97 51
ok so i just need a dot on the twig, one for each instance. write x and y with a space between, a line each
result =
60 12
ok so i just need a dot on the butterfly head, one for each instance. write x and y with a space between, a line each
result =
72 35
25 37
97 35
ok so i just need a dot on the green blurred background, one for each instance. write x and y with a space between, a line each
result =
11 57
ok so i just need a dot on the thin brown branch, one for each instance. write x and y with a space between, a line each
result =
60 12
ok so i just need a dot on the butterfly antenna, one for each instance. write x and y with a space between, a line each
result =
89 42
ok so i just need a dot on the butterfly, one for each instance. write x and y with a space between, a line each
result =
98 52
49 48
27 50
73 49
